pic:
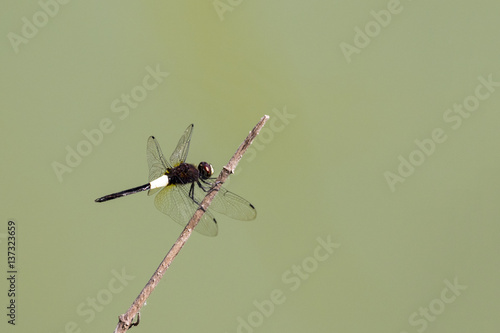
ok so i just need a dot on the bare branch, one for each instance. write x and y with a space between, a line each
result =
125 320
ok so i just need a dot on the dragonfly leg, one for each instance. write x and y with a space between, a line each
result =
211 188
137 322
191 195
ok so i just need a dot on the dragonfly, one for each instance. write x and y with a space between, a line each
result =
181 187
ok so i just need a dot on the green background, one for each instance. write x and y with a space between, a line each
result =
339 122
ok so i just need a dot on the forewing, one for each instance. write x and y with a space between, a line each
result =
157 163
232 205
227 203
173 200
180 153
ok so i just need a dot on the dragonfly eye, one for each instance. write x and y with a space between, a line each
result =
205 169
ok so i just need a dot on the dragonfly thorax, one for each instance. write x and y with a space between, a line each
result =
186 173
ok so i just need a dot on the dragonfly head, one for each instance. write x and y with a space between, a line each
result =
206 170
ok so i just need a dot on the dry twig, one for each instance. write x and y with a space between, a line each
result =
125 320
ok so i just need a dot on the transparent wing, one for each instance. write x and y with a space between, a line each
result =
157 163
227 203
180 153
234 206
174 201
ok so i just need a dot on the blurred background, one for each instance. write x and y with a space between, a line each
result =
375 179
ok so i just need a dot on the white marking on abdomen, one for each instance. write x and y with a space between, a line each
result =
159 182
